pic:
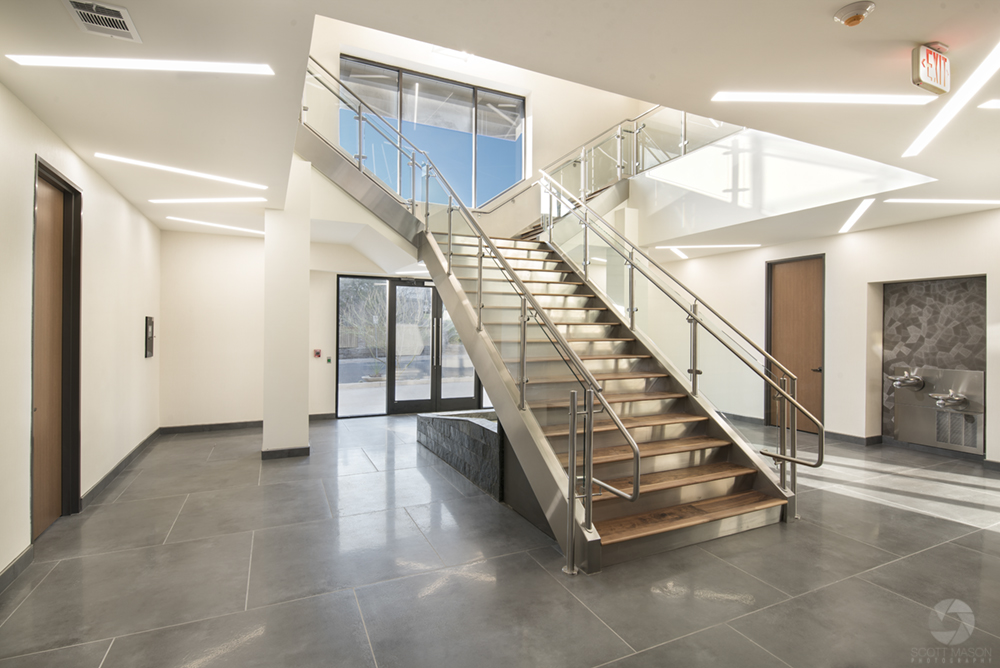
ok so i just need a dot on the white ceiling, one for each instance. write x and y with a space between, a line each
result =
676 54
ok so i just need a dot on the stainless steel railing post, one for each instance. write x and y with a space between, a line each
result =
361 140
570 567
684 132
523 381
450 202
588 462
586 246
413 184
783 436
631 290
427 198
583 173
621 138
694 371
793 451
479 288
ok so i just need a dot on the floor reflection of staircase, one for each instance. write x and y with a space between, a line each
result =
691 490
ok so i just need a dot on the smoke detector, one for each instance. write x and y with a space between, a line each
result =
102 19
854 13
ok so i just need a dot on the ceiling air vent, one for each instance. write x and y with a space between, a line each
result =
107 20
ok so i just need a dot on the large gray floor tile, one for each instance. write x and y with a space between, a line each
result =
946 572
89 655
169 452
943 493
797 557
467 529
321 463
247 508
503 612
370 492
237 448
985 540
850 623
400 456
302 560
885 526
186 477
19 589
659 598
465 486
718 647
107 595
319 631
109 528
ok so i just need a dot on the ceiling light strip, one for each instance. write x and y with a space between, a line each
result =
824 98
142 64
944 201
856 216
678 252
224 227
713 246
959 99
178 170
209 200
990 104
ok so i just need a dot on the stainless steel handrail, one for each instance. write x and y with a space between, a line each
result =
513 278
694 316
686 289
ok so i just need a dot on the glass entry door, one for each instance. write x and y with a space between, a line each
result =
429 369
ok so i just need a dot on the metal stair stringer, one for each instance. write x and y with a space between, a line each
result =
541 466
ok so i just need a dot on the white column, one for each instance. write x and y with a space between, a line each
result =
286 320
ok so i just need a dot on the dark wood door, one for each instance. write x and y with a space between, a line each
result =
47 362
796 331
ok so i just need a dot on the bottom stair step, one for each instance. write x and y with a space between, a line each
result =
652 482
679 517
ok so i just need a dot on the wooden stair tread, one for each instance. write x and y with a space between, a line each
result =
682 516
693 475
629 423
613 398
619 453
539 294
514 307
627 375
608 356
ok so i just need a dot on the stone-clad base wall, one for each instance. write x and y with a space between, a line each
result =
470 443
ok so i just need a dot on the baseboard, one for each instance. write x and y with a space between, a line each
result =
103 483
284 453
322 416
219 426
944 452
855 440
9 574
993 466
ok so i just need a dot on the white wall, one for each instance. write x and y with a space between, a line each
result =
120 286
856 266
211 335
323 337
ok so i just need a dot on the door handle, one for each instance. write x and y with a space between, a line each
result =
818 370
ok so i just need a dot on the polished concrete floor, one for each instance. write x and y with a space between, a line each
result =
372 552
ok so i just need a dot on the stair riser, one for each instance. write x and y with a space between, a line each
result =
671 462
615 507
523 254
672 540
495 273
465 261
512 300
604 439
502 331
472 251
571 316
498 285
603 347
539 391
557 415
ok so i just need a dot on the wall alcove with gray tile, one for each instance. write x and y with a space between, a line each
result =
938 323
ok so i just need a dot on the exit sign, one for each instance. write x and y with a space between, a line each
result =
931 70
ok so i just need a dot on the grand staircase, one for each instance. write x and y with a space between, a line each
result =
690 487
668 469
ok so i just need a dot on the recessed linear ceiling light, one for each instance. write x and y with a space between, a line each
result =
824 98
943 201
140 64
225 227
712 246
178 170
209 200
990 104
856 216
677 251
958 100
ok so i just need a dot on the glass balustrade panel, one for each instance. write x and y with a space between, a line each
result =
608 270
658 138
663 322
602 164
570 176
567 234
702 131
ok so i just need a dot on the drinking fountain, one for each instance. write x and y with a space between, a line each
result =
950 400
907 380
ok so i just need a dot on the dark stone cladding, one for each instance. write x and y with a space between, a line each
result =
470 443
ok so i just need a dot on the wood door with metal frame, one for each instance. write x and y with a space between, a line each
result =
55 430
795 305
429 369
